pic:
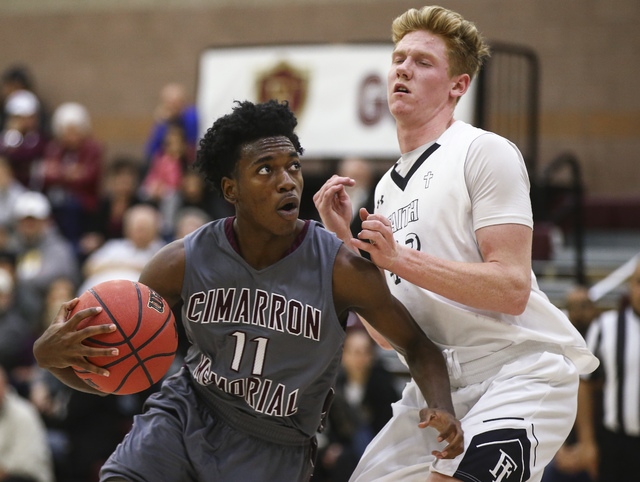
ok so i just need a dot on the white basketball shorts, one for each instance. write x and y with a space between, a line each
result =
514 422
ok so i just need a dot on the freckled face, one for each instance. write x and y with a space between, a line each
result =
418 84
267 185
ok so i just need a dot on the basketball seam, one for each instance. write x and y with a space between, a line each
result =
127 339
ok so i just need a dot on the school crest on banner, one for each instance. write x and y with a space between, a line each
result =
284 82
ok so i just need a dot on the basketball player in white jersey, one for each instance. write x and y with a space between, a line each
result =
452 230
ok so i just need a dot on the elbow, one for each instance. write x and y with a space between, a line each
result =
517 307
518 298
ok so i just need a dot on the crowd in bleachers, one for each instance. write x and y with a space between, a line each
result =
70 217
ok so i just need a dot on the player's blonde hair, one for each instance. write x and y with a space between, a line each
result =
466 48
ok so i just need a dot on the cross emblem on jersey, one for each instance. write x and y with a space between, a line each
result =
427 177
380 201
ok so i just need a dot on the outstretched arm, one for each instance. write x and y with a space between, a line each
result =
334 206
359 286
60 347
502 281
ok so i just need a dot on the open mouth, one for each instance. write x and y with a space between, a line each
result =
400 88
290 206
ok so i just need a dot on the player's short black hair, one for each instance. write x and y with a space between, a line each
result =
219 149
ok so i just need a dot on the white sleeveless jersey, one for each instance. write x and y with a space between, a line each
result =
468 179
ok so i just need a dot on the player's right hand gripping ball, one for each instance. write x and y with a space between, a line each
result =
146 336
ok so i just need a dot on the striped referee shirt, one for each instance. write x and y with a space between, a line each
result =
614 338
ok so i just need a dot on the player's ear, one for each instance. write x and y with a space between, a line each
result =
228 187
460 84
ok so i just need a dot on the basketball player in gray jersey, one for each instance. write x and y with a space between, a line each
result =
265 297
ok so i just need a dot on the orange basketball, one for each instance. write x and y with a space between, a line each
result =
146 336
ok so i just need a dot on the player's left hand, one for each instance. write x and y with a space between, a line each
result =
376 238
334 206
449 430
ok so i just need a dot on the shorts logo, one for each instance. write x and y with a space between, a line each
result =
505 467
497 456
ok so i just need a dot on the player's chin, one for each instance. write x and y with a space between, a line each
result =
398 106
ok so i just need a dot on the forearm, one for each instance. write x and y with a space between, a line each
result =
490 286
585 429
377 337
429 370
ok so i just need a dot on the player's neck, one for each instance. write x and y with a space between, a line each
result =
412 135
262 248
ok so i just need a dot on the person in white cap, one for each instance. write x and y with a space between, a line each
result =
43 254
19 77
22 141
71 174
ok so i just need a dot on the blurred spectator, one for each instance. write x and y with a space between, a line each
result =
173 107
18 77
190 219
71 173
124 258
60 290
167 167
8 262
82 429
24 452
365 391
8 243
22 141
567 465
193 193
43 254
361 193
43 390
581 310
120 193
613 337
16 335
10 188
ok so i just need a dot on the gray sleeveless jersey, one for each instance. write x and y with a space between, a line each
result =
266 345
